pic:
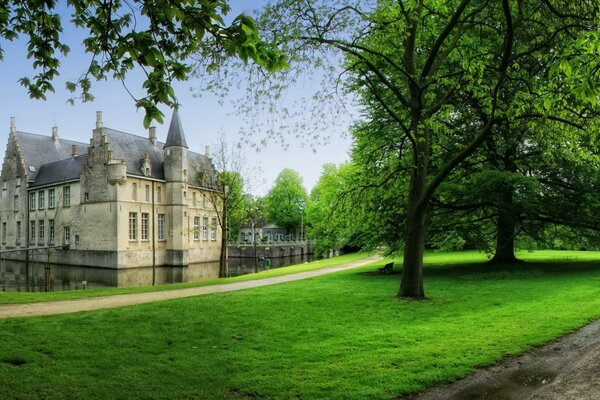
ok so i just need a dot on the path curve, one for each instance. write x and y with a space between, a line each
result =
122 300
566 368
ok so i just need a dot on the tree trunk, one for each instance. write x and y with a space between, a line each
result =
411 285
505 231
412 268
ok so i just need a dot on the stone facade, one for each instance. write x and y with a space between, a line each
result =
123 207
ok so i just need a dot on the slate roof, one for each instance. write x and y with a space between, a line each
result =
59 171
132 148
53 163
38 150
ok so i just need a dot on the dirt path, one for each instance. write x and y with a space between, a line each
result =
564 369
122 300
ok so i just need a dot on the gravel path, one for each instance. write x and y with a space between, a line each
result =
568 368
122 300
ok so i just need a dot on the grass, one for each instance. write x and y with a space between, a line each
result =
25 297
341 336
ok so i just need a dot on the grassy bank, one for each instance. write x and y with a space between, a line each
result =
25 297
342 336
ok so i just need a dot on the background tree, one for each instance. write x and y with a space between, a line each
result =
155 37
334 215
222 176
286 201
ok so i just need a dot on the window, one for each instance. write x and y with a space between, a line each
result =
134 191
132 226
4 232
3 185
41 233
205 228
194 199
147 193
66 196
158 194
145 226
161 226
86 196
31 201
51 197
32 232
196 228
51 232
213 229
204 200
67 235
18 181
18 240
42 199
16 207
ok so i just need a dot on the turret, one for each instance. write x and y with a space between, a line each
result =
175 168
176 158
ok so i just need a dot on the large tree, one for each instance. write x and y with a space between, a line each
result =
155 37
414 62
286 201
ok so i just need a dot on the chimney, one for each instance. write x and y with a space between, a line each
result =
152 132
13 125
206 151
54 133
98 119
73 151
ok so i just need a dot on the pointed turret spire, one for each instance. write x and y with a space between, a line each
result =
175 137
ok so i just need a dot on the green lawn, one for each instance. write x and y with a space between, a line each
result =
341 336
24 297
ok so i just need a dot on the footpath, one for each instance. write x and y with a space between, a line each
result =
123 300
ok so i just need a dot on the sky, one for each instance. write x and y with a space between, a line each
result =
204 120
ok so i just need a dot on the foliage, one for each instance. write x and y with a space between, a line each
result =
334 213
156 37
286 201
297 340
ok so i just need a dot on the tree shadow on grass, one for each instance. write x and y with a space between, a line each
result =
482 270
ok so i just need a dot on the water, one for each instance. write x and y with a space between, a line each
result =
18 276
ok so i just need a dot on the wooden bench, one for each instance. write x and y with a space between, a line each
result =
386 268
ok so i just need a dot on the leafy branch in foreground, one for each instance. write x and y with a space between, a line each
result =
155 38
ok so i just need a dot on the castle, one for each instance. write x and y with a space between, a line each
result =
123 210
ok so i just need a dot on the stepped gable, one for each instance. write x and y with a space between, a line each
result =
59 171
132 149
38 150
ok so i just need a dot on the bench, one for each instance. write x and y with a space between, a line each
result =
389 267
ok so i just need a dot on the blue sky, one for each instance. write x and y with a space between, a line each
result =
203 119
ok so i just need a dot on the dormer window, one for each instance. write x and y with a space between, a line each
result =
145 165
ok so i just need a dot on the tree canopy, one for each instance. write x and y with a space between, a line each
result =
438 79
156 37
286 201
